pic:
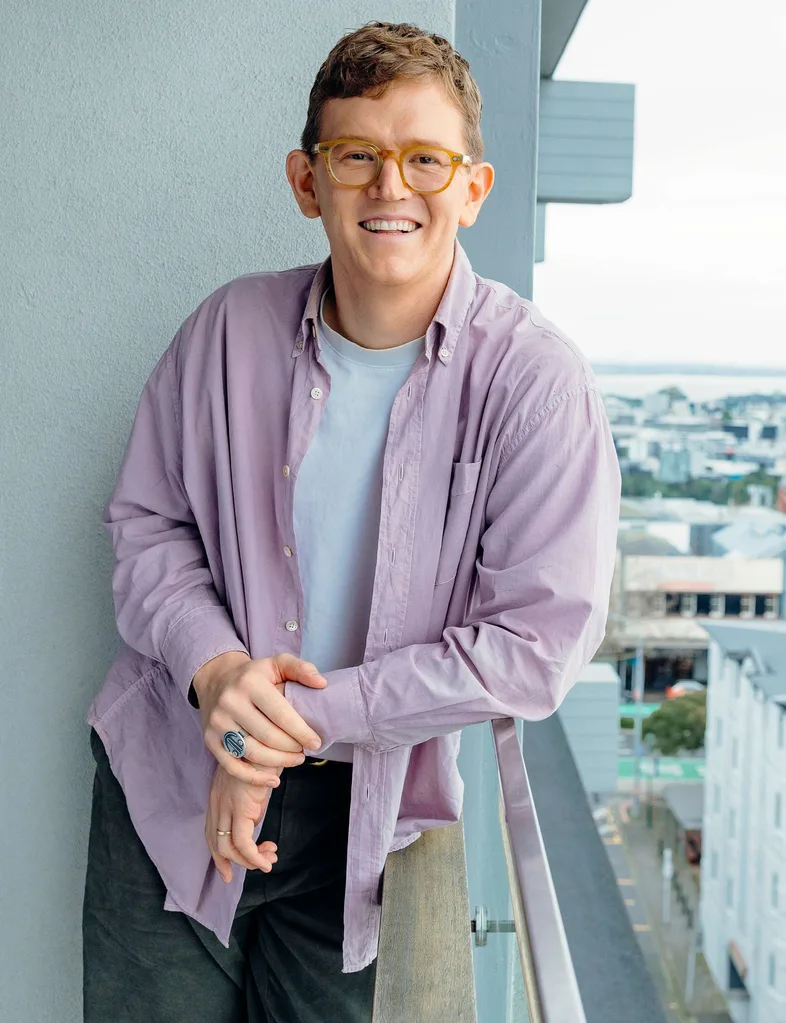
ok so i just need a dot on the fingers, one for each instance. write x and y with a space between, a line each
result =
255 702
231 819
234 843
293 669
251 774
261 728
258 763
251 857
266 758
248 853
223 866
275 706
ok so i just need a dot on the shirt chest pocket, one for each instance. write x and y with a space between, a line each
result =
463 484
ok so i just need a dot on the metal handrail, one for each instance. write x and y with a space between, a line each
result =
550 983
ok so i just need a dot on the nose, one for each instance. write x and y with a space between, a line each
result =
389 184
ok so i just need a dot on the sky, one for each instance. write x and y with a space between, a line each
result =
692 268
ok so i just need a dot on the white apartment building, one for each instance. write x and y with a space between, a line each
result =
743 865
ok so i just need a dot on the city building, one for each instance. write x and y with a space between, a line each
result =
743 867
661 604
675 440
693 526
759 536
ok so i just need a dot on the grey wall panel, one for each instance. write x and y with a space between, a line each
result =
141 166
501 40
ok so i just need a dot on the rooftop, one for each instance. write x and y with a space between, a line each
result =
687 509
639 541
686 802
697 574
765 642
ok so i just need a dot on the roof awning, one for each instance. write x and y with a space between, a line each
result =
686 802
558 19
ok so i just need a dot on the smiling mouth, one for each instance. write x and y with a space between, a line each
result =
383 231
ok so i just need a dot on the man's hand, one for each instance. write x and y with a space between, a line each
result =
234 690
237 806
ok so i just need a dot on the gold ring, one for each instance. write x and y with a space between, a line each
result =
318 763
224 832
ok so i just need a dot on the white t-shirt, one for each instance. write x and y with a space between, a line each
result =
337 500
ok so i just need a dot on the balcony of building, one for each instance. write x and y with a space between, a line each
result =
514 914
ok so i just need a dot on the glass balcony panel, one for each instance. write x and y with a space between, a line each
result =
499 983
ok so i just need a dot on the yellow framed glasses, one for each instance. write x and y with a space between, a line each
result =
354 163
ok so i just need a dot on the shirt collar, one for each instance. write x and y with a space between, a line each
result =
445 328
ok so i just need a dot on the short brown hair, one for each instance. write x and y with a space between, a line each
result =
368 60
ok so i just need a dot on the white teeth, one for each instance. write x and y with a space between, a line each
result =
389 225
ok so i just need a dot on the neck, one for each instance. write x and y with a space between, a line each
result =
380 317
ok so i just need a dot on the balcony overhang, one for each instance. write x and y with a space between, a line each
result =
558 21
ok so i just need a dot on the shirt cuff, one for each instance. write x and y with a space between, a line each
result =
337 713
195 639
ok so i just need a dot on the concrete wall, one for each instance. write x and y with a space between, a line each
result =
143 152
590 717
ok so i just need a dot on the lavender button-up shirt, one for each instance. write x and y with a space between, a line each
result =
497 537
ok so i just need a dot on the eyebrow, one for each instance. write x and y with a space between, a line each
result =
407 142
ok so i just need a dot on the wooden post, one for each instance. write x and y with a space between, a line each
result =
424 965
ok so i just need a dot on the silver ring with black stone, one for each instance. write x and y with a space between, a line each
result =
234 742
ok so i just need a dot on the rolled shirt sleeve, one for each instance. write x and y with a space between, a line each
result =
544 579
166 604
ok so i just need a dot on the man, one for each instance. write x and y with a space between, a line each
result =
363 505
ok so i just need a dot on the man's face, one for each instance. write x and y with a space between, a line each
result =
409 112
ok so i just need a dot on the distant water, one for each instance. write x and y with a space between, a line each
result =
697 388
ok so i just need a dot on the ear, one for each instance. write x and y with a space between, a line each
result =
481 181
301 174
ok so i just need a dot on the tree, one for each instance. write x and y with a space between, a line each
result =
738 490
678 724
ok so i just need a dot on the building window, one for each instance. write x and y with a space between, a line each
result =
688 605
716 797
737 684
771 606
732 823
747 606
732 602
777 809
774 891
735 751
718 731
771 971
729 892
714 864
717 605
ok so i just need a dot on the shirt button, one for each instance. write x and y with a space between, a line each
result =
299 346
286 470
316 393
288 552
444 353
292 625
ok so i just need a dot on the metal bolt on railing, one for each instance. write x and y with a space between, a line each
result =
481 926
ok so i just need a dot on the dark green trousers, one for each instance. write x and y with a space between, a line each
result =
144 964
